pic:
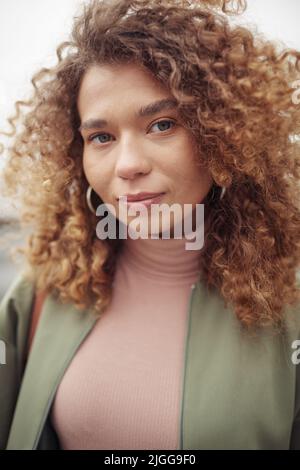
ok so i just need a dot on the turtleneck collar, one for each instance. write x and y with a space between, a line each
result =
164 260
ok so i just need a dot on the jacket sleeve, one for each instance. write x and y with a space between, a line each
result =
15 313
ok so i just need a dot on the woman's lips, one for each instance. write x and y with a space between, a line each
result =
144 202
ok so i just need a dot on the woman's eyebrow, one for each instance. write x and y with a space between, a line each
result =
144 111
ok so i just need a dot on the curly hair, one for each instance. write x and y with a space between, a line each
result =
234 91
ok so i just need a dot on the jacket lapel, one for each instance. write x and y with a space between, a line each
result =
61 330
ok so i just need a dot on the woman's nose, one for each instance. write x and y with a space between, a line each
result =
131 160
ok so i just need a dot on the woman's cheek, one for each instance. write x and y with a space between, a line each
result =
91 169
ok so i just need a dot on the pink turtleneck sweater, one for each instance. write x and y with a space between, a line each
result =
123 387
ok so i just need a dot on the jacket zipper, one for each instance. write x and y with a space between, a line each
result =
187 336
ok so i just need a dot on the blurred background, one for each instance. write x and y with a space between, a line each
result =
30 31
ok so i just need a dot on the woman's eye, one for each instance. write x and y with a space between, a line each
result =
93 137
162 127
162 124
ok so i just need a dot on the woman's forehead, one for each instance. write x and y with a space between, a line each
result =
118 85
107 75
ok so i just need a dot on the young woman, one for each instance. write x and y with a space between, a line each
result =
142 343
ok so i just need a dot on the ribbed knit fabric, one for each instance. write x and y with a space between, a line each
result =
123 388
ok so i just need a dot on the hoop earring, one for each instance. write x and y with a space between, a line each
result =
88 199
222 192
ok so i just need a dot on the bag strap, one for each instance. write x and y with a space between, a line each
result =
35 316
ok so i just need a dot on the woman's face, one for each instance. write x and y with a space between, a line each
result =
136 151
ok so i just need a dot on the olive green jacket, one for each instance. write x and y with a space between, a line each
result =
238 391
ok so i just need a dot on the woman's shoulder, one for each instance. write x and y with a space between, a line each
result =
293 311
15 311
21 288
19 295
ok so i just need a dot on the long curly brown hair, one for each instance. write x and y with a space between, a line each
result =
235 95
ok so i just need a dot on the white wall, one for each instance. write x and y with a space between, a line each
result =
278 19
30 30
